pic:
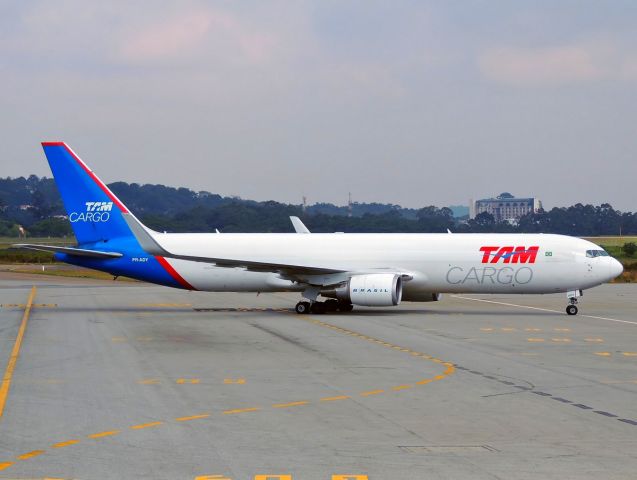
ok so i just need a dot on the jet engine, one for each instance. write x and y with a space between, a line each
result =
370 290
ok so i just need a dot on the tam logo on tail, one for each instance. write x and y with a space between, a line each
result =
99 206
95 212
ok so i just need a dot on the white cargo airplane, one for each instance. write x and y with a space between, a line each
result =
348 269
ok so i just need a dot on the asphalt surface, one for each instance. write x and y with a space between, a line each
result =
118 380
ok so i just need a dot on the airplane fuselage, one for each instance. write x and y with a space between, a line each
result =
436 263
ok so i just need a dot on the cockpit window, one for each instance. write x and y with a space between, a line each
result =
596 253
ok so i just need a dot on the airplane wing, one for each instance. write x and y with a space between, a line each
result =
151 246
79 252
306 274
298 225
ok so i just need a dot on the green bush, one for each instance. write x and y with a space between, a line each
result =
629 249
11 255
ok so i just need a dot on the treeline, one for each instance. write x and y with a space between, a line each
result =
34 203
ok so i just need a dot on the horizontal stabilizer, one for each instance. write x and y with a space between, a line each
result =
299 226
79 252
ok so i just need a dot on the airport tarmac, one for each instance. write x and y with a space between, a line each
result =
122 380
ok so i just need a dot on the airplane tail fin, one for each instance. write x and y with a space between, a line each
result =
94 211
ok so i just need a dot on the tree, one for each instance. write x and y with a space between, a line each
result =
483 222
629 248
434 219
41 207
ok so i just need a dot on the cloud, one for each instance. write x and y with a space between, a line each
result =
196 34
550 66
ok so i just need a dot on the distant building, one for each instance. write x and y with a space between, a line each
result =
505 207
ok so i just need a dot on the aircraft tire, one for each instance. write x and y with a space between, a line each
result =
331 305
318 307
345 307
571 310
302 308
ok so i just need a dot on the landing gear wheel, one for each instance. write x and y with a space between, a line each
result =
331 305
318 307
345 307
571 310
302 308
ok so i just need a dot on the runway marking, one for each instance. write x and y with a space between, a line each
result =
508 329
333 399
241 410
193 381
15 353
594 340
617 382
26 456
104 434
290 404
402 387
371 392
5 465
149 381
562 329
532 329
562 340
535 339
65 444
192 417
609 354
145 425
541 309
234 381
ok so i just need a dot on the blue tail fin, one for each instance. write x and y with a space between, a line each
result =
94 211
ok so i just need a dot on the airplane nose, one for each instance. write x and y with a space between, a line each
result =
615 268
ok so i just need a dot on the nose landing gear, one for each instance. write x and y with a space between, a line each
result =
571 308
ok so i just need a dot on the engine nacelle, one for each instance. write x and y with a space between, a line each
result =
371 290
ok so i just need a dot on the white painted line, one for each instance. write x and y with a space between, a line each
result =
542 309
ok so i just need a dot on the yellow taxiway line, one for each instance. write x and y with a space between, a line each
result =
15 353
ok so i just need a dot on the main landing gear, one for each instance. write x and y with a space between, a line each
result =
571 308
331 305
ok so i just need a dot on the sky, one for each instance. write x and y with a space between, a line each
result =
406 102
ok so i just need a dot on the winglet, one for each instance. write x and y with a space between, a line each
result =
298 225
143 236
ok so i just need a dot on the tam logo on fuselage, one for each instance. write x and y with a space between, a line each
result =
95 212
503 275
509 254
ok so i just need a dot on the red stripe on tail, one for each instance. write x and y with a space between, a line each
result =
106 190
